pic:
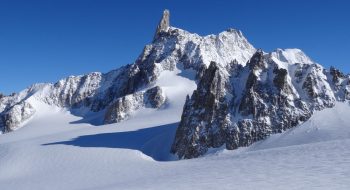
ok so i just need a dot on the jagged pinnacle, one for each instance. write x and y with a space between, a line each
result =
164 23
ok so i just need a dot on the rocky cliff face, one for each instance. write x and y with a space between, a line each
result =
15 116
124 106
114 92
240 105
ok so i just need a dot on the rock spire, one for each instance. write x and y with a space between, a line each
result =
164 23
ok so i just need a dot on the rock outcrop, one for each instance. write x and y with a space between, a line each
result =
164 23
341 84
202 116
16 115
123 107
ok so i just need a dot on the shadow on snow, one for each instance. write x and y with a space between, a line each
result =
154 142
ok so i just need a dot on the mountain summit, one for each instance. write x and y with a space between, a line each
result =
164 23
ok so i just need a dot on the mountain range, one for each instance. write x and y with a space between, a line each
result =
227 92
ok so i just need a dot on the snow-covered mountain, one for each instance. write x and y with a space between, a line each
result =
243 94
119 92
238 97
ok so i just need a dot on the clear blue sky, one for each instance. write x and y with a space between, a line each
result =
43 41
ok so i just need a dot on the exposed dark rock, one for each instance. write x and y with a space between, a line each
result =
202 122
341 84
124 106
280 80
15 115
257 61
154 97
130 79
164 23
221 112
309 84
337 75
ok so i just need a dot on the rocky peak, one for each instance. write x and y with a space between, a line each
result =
257 60
164 23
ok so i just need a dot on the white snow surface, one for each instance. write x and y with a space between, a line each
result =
291 56
54 151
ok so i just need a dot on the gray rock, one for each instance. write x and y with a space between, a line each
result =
123 107
164 23
251 103
336 75
203 116
15 115
340 84
154 97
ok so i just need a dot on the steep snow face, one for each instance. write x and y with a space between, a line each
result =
272 93
291 56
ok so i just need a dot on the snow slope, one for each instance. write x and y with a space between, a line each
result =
55 152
